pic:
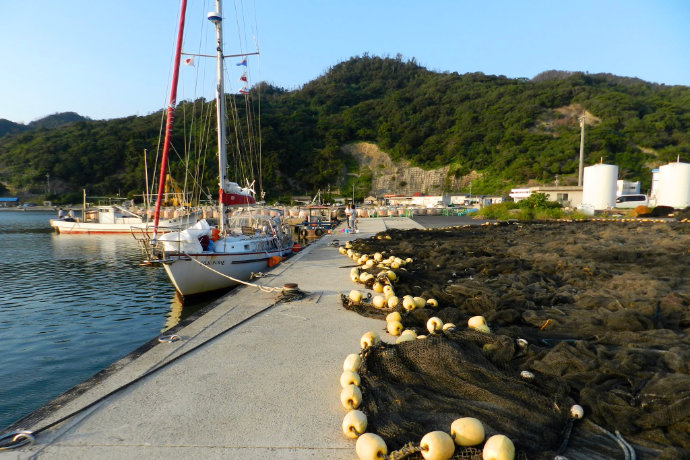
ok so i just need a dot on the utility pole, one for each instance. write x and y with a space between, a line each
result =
582 148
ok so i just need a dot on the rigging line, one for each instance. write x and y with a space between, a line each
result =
154 181
251 136
185 159
239 29
197 143
205 146
192 142
249 140
255 27
166 90
237 152
243 152
195 181
189 189
258 95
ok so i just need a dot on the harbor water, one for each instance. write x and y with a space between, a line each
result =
70 305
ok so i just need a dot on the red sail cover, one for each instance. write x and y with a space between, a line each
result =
234 198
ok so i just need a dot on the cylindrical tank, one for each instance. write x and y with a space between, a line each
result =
599 186
674 185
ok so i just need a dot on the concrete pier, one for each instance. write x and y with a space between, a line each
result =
266 386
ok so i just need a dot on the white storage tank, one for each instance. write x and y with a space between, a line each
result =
674 185
599 184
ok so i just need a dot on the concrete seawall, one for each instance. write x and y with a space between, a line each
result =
265 386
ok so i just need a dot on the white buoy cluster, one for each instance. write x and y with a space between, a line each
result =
384 297
435 445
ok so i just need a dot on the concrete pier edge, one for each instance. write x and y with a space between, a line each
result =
267 388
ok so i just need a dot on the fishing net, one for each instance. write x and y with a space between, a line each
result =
598 313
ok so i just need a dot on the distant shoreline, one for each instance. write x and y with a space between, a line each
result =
30 208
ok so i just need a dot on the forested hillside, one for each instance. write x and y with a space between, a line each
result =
51 121
510 130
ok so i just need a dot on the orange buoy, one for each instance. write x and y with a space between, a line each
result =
296 247
273 261
215 234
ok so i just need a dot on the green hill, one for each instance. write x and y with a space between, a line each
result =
511 131
56 120
10 127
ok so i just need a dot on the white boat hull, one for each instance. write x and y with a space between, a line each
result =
67 227
196 273
113 228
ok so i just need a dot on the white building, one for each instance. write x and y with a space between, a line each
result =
624 187
567 195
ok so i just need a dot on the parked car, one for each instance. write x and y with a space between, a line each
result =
632 201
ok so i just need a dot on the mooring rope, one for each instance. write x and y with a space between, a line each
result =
247 283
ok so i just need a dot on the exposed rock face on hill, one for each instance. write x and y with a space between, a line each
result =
402 178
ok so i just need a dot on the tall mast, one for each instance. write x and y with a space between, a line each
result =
217 19
170 116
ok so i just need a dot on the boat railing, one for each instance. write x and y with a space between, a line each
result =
152 251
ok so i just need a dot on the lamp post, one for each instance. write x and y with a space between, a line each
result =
353 186
582 149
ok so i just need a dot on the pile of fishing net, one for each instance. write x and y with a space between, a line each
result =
588 313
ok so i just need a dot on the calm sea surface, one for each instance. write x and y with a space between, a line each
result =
71 305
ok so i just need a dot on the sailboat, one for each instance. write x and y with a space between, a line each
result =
206 257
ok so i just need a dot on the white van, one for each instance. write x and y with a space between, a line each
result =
632 201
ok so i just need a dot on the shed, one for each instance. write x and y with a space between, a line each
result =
5 202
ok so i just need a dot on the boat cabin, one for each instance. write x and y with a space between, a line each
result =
112 215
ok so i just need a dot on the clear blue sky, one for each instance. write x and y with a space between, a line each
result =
108 59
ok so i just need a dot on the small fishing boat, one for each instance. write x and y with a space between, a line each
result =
115 219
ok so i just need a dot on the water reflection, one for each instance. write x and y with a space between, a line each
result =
175 315
72 305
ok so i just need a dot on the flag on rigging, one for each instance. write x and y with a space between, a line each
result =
189 61
244 77
244 62
243 90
